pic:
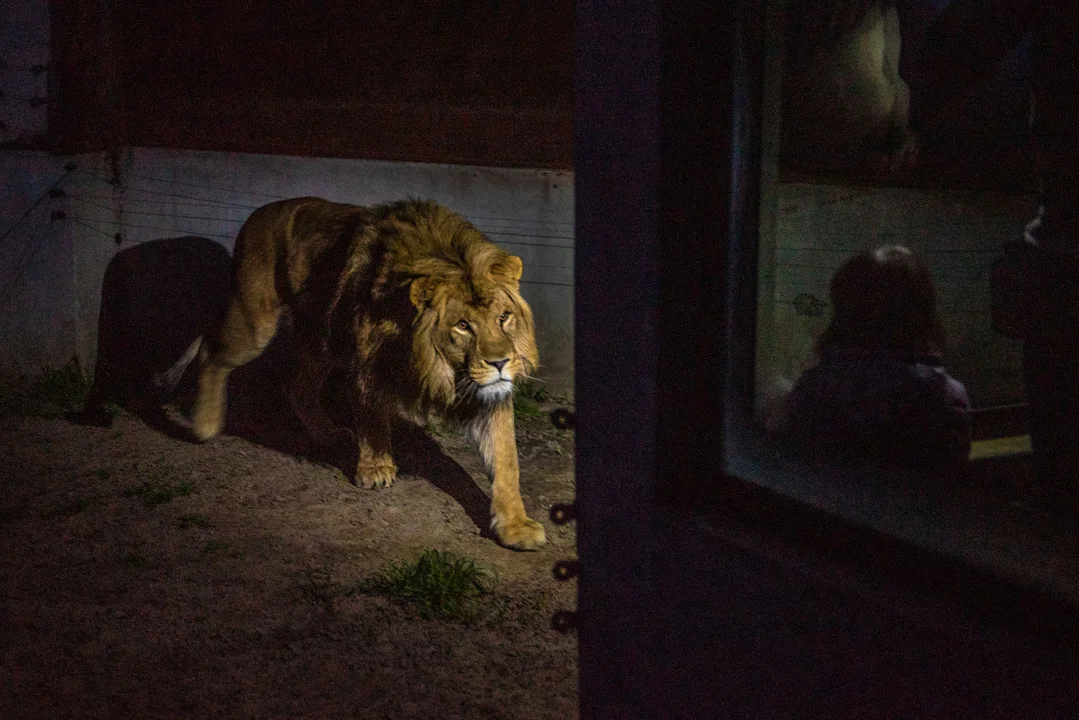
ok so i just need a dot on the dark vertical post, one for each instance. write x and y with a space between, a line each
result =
616 340
653 169
695 193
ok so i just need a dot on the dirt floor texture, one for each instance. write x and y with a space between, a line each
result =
145 576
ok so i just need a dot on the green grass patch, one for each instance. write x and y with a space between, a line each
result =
158 492
531 390
442 586
53 389
111 411
531 399
528 395
525 407
65 386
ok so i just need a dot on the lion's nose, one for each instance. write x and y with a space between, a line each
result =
497 364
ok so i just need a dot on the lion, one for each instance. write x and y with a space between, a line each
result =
844 102
421 311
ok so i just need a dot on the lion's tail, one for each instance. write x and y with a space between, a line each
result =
165 383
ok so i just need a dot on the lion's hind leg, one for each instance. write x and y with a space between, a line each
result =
242 336
312 370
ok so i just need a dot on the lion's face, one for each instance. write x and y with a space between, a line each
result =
481 342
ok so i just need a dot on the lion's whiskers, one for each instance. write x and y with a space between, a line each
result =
467 389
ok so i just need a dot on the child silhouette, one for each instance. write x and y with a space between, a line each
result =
880 389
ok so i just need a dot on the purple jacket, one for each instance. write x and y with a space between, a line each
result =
882 404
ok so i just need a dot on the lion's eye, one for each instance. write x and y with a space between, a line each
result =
462 324
504 316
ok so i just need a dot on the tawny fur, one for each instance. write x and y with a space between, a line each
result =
423 311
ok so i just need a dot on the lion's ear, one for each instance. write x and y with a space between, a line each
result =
510 266
420 293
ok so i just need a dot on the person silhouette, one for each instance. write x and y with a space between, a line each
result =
1035 285
880 390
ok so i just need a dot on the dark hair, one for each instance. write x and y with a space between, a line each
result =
885 299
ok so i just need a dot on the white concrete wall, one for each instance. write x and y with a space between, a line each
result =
38 317
52 311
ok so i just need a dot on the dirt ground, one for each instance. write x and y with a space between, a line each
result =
145 576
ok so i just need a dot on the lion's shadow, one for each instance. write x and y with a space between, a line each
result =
259 412
157 297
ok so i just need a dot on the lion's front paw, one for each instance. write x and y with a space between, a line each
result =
376 474
524 534
203 432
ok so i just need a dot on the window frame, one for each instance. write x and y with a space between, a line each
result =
650 479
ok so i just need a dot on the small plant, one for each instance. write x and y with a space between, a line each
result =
527 397
157 492
66 386
111 410
441 584
525 407
532 390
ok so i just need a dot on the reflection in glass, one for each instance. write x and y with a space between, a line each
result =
844 174
879 388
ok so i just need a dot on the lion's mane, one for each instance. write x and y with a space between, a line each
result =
420 242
